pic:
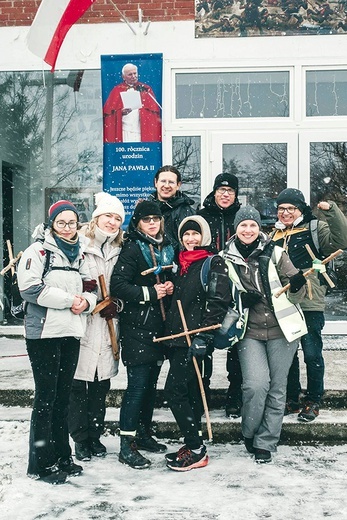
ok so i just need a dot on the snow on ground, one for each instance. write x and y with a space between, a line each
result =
301 483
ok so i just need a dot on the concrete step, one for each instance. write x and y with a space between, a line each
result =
334 399
329 428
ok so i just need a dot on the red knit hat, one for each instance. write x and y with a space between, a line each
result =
58 207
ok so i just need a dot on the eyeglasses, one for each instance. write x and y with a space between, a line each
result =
61 224
171 183
154 218
228 191
290 209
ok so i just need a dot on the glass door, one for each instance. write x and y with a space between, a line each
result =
323 176
264 162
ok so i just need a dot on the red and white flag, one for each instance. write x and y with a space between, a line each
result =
53 20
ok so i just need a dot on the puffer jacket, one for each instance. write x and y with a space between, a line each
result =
262 323
96 350
332 235
174 210
220 220
48 313
141 319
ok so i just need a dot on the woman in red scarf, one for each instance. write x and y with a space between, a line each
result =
201 309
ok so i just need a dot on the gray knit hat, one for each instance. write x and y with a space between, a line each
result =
247 213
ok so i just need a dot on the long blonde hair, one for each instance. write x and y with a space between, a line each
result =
89 231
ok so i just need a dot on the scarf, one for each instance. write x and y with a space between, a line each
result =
70 248
186 258
246 249
163 256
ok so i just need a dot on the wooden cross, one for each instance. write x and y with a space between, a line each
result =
105 302
13 259
187 334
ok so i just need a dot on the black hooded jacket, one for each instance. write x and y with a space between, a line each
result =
220 220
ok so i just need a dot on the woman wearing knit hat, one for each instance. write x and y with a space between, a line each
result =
202 309
259 269
142 319
51 276
96 362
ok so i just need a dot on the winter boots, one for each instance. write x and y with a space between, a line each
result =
130 455
52 475
97 448
146 442
68 466
82 450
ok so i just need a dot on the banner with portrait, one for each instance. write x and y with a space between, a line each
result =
228 19
132 125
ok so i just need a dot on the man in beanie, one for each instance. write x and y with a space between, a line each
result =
174 204
297 226
219 209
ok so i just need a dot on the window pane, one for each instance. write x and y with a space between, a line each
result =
326 93
186 153
328 172
233 94
262 173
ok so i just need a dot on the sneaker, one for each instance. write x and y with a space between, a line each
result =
82 450
291 407
309 412
129 455
233 408
170 457
262 456
97 448
52 475
187 460
70 467
249 445
148 443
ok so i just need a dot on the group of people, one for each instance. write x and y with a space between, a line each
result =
152 274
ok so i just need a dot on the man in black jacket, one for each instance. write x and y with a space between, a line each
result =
219 210
174 204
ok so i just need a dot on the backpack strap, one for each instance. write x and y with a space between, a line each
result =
204 272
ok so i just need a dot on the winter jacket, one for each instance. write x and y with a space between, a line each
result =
254 275
201 308
141 319
96 350
220 220
174 210
332 235
48 313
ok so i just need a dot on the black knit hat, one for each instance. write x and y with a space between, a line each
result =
247 213
292 196
227 180
190 225
144 209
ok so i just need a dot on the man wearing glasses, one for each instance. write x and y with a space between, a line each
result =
294 229
219 208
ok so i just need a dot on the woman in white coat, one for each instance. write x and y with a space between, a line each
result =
96 363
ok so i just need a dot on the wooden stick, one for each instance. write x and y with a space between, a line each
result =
196 366
152 269
180 334
310 271
154 260
326 276
11 264
101 305
110 323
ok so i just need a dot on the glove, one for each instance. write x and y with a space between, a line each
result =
89 285
109 312
296 282
199 346
250 298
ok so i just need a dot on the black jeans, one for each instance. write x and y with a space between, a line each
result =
183 395
88 408
139 398
53 362
312 346
234 374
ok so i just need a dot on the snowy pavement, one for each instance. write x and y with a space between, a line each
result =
301 483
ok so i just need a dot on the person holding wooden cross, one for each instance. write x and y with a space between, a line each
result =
201 308
295 228
97 362
145 295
